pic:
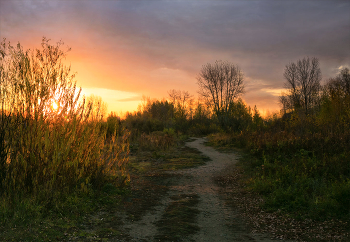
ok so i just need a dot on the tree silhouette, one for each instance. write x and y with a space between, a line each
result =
303 84
220 84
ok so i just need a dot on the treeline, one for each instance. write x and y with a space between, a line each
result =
179 113
302 155
193 118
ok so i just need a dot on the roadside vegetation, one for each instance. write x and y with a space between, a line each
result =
300 160
64 161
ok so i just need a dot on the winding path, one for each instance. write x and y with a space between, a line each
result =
217 221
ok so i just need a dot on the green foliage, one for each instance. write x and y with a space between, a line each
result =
239 117
154 115
181 117
306 176
202 122
170 132
33 222
298 171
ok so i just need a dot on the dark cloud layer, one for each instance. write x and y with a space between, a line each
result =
132 40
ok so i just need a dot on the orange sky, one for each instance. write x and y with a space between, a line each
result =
122 50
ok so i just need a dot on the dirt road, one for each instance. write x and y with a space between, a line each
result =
216 221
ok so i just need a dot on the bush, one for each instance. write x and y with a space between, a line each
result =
157 140
113 125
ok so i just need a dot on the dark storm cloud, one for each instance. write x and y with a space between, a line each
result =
259 36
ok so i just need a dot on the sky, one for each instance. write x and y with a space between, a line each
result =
123 50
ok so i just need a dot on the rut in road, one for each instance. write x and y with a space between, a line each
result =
216 221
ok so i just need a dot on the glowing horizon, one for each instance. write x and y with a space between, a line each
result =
117 101
123 50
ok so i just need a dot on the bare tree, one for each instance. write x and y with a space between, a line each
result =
303 84
340 85
220 84
182 101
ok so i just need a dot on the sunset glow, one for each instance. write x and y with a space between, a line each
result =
54 106
153 120
123 50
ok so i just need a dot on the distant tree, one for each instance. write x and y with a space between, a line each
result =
182 101
201 122
239 116
303 84
336 98
201 112
340 85
220 84
98 108
145 103
161 110
258 121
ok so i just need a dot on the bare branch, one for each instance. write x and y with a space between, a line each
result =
220 84
303 81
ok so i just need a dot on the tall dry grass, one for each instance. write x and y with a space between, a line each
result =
47 152
157 140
